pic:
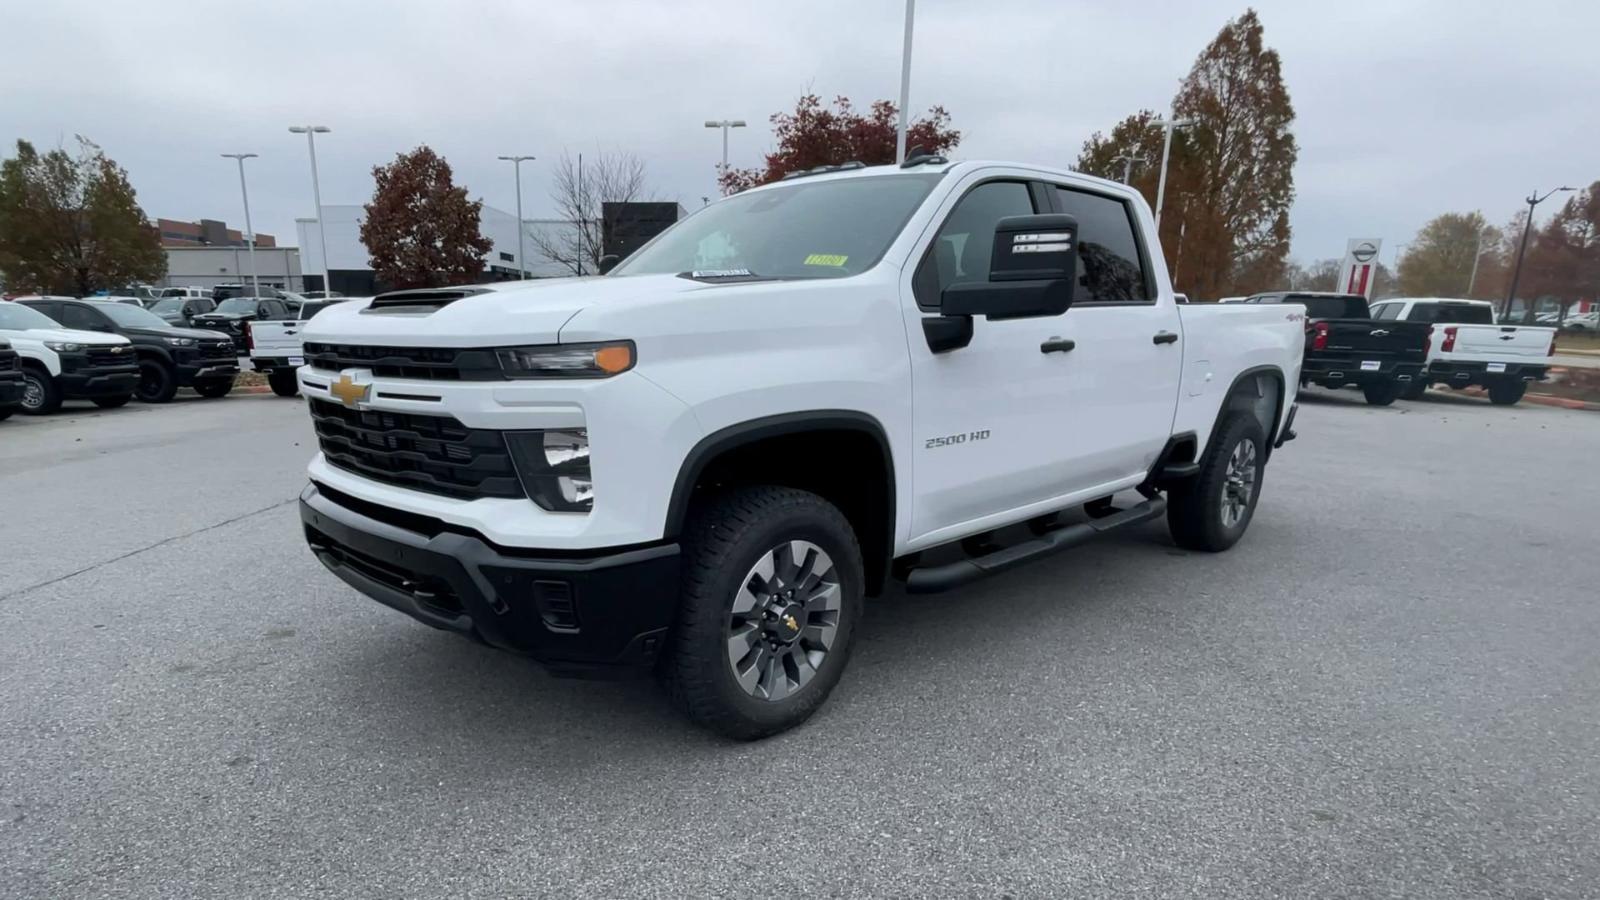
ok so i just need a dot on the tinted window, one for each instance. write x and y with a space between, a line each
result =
74 316
1386 311
1109 268
960 254
1324 306
1451 313
132 316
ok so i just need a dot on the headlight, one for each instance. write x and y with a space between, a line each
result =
63 346
567 360
181 342
554 467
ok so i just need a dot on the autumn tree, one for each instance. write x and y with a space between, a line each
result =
1563 259
1139 137
1319 275
420 229
72 224
580 191
1439 260
816 135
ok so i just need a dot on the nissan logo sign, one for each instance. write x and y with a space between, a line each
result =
1364 251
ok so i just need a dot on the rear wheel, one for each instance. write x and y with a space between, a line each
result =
1212 510
113 402
284 383
772 592
1507 393
156 382
1381 393
40 395
1414 390
218 388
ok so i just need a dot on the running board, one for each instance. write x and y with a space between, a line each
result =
932 579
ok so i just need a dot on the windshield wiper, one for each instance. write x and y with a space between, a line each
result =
719 275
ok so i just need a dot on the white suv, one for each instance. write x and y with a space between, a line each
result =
64 364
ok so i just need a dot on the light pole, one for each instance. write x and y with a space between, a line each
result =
1166 149
1127 160
724 124
1516 274
311 131
1477 254
249 230
905 87
516 164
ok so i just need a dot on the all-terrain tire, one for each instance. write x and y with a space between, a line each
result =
1507 393
157 382
1195 510
726 536
43 388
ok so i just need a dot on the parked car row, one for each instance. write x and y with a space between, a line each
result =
1400 346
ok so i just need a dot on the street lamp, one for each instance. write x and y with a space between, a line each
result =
311 131
249 230
905 87
1477 254
516 163
724 124
1166 149
1127 160
1516 274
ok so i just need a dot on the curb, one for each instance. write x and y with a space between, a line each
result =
251 389
1539 399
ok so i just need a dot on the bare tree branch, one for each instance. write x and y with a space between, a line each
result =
579 199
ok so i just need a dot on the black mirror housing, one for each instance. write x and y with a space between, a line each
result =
1032 269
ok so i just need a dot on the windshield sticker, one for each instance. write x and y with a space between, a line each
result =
826 259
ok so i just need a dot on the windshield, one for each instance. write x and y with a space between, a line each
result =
17 317
236 305
825 229
131 316
169 305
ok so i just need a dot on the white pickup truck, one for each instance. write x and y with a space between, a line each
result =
706 459
1467 348
275 346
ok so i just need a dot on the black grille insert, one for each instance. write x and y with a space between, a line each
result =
436 454
111 356
424 363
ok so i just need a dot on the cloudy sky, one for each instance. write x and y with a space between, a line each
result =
1406 108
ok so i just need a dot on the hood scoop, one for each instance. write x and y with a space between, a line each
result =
418 302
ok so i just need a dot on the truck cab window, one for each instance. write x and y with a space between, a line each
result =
1109 266
1386 311
74 316
960 254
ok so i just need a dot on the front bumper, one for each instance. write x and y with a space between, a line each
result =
98 381
578 614
1465 374
1340 372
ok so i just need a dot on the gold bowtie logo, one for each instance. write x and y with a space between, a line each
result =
348 392
789 621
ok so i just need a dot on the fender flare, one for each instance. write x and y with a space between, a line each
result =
142 352
733 436
1277 414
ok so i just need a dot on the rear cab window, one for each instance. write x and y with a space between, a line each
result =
1451 313
1111 267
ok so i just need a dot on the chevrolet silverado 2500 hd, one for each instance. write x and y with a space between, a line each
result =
1467 348
704 460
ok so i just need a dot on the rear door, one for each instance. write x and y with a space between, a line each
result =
1127 360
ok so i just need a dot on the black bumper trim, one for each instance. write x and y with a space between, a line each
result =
107 382
1342 372
615 609
205 369
11 389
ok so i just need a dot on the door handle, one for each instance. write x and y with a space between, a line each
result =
1057 345
1165 337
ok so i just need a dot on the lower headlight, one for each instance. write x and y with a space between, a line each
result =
554 467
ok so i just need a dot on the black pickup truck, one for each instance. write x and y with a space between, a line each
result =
169 357
11 384
1346 346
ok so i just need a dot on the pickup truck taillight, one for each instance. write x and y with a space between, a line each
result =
1319 337
249 336
1552 350
1449 339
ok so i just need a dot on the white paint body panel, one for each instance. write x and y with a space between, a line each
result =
1064 428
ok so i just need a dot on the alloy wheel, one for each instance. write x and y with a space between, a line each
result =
1239 482
32 393
784 620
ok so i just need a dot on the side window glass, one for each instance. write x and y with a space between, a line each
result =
80 318
1423 312
1387 311
1109 266
960 253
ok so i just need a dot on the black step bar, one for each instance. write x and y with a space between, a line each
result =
932 579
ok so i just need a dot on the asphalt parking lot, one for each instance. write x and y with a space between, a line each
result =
1389 688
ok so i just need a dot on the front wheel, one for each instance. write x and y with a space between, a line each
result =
1507 393
1380 393
771 594
1211 510
157 383
40 395
283 382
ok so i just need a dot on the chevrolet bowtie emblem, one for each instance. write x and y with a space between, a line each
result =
348 392
789 621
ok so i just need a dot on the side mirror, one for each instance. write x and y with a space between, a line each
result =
609 262
1032 269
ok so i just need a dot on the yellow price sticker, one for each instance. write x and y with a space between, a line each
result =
826 259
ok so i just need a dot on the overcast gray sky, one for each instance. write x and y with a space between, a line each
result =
1405 109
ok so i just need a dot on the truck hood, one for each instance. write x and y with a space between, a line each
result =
530 312
93 338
